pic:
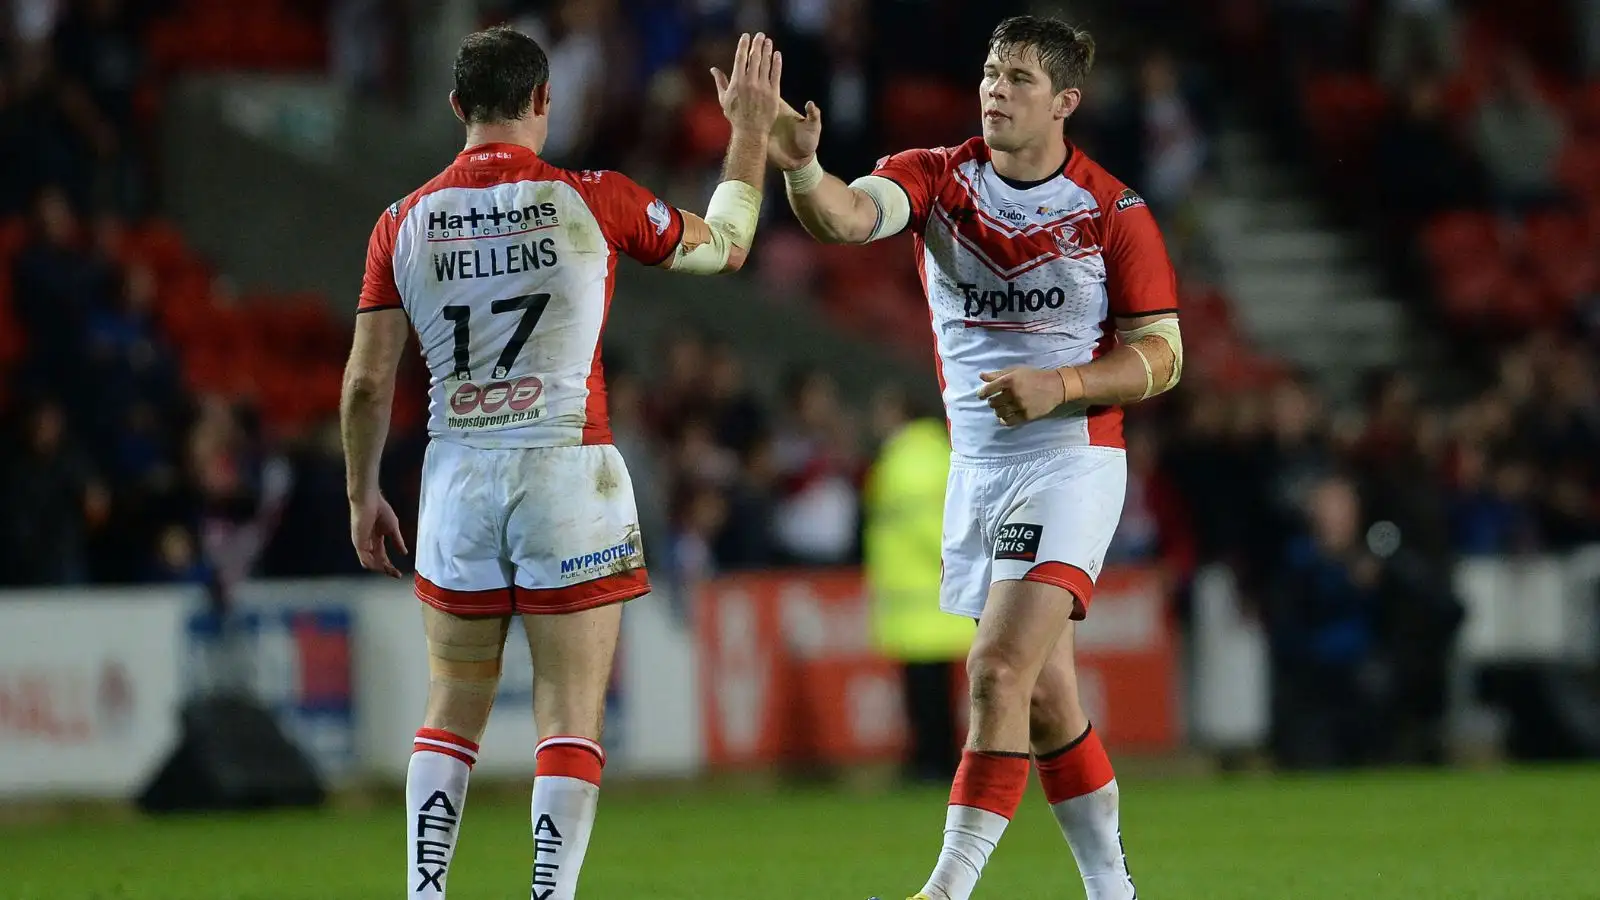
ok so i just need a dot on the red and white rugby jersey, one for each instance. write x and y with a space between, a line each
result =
505 265
1027 275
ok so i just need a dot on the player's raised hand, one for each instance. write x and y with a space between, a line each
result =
749 93
371 522
1022 394
794 137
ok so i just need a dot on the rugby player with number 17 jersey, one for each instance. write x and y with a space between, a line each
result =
504 266
1053 302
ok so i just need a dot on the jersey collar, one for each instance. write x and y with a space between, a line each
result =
497 154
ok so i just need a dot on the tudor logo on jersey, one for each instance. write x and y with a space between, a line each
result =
1027 275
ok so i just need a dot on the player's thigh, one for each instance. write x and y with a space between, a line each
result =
460 563
1059 522
572 533
964 549
572 658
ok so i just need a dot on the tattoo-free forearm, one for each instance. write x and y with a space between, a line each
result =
364 409
1119 377
747 158
834 213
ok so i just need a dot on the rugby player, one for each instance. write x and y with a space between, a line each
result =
504 266
1053 304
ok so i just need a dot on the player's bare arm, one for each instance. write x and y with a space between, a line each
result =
720 241
830 210
1148 360
364 407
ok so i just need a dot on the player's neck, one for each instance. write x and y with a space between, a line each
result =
530 134
1032 163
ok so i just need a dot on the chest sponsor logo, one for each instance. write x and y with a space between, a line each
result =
1011 299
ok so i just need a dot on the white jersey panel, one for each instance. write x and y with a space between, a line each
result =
506 286
1017 284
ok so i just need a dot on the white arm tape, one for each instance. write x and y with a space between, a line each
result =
894 208
732 214
1167 330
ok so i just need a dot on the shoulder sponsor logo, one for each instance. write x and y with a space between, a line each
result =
455 225
394 210
1128 200
605 561
659 216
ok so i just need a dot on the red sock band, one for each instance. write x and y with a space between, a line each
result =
990 781
570 757
1081 767
437 740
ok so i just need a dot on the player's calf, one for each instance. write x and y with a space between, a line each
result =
463 673
572 658
1078 780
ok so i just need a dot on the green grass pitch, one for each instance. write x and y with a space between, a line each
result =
1506 835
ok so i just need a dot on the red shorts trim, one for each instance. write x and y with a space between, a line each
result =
530 601
492 602
1069 578
589 595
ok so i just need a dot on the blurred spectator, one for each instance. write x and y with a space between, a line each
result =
54 501
1323 620
1154 527
1422 165
1414 36
572 36
1519 136
816 515
1173 146
902 538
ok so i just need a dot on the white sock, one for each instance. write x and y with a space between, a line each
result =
970 836
566 793
436 794
1091 825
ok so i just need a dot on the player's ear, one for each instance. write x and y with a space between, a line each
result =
1067 102
541 99
455 107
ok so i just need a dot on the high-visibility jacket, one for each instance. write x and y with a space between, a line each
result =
903 506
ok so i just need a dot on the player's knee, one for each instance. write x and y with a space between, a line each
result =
461 694
992 678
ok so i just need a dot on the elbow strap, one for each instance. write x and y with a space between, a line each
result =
1167 330
894 209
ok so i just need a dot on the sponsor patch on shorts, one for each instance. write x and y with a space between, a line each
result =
1019 541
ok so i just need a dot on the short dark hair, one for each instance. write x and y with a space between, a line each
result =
1066 52
497 71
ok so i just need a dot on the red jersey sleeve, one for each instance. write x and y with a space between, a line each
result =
378 290
634 220
917 172
1140 280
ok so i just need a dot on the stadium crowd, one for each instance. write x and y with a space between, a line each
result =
1341 523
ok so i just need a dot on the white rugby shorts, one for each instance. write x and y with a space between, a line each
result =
527 530
1045 517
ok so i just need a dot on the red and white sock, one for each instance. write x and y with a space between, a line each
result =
436 794
566 793
1082 790
987 790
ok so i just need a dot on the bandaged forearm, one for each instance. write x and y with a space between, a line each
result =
734 210
1147 361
